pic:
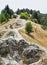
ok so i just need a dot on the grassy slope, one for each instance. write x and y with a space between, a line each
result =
38 36
5 25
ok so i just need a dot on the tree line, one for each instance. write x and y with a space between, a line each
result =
33 15
6 14
27 14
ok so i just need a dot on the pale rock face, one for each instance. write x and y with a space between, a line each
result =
14 51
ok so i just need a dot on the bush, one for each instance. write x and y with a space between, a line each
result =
14 16
44 27
28 27
2 18
35 20
43 21
25 15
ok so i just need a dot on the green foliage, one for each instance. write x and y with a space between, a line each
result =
31 11
19 11
44 27
14 16
6 14
25 15
28 27
34 14
44 21
35 20
2 18
44 15
7 11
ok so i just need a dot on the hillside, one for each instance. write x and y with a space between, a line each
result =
37 36
23 36
15 50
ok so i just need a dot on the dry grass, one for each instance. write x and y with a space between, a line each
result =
38 35
43 61
5 25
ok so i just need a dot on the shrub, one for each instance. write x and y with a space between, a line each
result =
25 15
2 18
28 27
44 27
35 20
44 21
14 16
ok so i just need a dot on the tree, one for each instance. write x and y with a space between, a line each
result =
35 20
7 11
18 11
28 27
25 15
43 21
38 16
34 14
2 18
6 14
31 11
27 10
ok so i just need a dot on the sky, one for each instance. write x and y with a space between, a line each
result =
31 4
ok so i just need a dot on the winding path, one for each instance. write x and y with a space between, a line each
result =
16 36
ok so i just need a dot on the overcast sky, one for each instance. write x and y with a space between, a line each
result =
31 4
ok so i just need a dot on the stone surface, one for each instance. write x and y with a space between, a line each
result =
20 50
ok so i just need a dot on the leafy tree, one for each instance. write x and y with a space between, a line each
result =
34 14
38 16
18 11
14 16
27 10
25 15
35 20
28 27
31 11
44 27
43 21
7 11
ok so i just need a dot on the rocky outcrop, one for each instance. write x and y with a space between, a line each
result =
32 54
20 50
